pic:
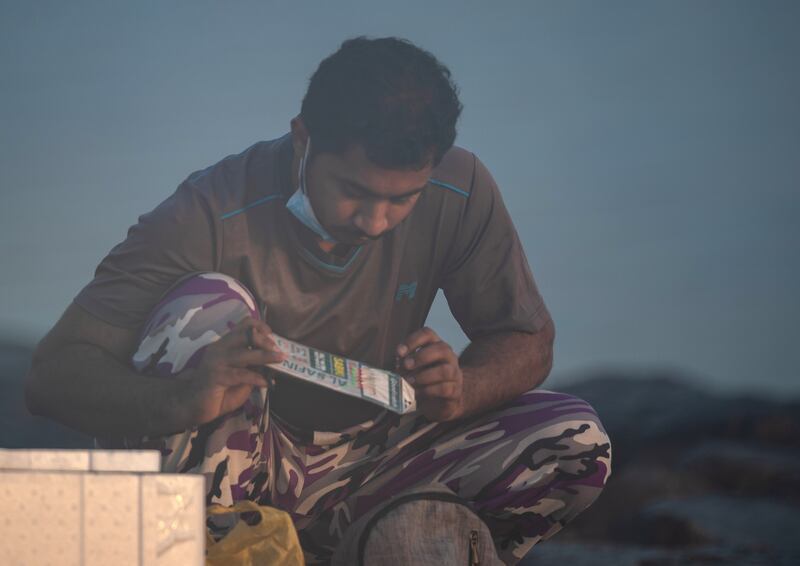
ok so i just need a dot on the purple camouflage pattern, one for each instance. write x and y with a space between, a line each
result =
527 468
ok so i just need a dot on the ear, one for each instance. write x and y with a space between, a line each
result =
299 135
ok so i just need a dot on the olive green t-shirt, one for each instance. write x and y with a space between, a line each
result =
231 218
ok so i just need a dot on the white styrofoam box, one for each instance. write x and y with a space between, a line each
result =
81 460
124 460
100 519
41 518
174 512
111 519
55 460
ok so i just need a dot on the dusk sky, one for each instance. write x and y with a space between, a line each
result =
649 153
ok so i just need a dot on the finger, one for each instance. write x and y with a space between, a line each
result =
440 410
249 377
432 375
417 339
248 333
255 358
447 390
257 338
236 377
236 336
436 353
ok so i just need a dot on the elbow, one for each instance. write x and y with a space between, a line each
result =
33 397
40 395
35 388
546 367
549 331
547 342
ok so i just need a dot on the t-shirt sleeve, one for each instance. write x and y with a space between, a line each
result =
176 238
487 282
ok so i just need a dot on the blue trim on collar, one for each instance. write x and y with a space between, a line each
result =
250 205
330 267
444 185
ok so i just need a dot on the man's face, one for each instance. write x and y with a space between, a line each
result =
357 201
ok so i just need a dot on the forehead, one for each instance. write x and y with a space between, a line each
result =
353 166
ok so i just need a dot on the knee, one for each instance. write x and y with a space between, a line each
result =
196 311
568 430
559 462
592 439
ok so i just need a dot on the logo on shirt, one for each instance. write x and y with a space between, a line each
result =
406 290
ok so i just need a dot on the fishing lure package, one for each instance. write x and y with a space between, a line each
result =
384 388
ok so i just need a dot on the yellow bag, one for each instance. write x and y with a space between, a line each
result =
272 541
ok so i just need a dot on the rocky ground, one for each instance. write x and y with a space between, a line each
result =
697 478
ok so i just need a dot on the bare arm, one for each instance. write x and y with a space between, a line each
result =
492 369
499 367
81 378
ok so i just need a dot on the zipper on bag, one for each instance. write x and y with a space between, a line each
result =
474 559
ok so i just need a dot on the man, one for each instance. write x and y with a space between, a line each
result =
343 231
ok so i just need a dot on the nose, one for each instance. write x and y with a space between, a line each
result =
371 218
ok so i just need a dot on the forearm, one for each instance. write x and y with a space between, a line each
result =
499 367
86 388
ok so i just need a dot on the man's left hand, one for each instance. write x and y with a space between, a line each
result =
431 366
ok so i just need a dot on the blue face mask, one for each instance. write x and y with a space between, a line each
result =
299 204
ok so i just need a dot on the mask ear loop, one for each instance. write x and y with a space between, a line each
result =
302 173
306 204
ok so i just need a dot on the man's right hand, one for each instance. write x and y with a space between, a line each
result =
81 376
229 369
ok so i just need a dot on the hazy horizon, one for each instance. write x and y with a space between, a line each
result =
649 153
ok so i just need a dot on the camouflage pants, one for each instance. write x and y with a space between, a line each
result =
527 468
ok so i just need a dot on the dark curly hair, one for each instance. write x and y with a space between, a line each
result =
388 95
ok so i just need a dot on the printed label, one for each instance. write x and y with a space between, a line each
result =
347 376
